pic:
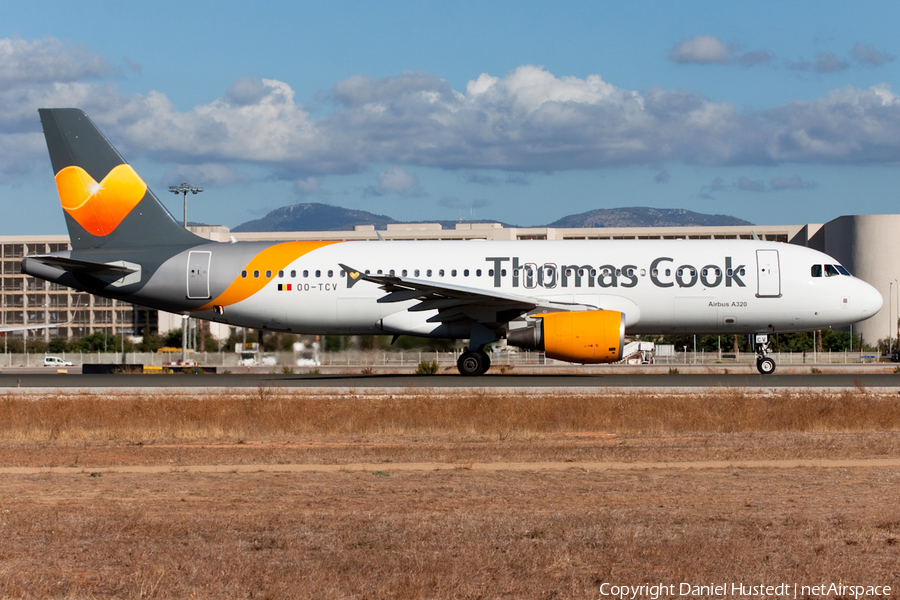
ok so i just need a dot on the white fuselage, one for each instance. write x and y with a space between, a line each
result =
661 286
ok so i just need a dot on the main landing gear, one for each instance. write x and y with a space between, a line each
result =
764 364
473 362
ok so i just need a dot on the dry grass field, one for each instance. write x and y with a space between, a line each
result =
275 493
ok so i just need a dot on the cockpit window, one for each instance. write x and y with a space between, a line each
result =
829 271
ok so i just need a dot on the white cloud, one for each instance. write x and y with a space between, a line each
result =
867 55
826 62
700 50
307 186
707 50
745 184
396 181
526 121
796 182
206 175
750 185
47 61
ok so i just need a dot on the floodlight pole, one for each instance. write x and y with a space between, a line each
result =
184 188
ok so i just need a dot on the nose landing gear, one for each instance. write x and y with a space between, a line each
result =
764 364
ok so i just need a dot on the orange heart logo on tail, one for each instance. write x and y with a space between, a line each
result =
354 274
99 207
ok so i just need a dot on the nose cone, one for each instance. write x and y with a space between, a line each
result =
866 299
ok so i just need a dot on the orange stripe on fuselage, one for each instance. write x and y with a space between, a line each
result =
274 258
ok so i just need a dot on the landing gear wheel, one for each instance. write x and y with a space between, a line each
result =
473 363
765 366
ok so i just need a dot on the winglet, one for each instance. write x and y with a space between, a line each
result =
352 275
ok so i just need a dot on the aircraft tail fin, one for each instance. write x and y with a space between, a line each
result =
105 202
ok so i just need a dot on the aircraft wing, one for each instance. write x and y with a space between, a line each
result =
446 296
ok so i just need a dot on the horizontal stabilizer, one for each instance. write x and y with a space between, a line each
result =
103 270
117 274
4 330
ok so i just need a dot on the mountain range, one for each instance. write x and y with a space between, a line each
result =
324 217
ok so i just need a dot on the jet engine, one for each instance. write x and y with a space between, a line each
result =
593 336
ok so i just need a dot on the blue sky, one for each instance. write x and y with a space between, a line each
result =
521 112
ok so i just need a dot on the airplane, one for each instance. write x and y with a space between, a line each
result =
575 300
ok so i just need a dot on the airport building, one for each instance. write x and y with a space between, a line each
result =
867 245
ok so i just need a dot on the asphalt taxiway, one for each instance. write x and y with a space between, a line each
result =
507 381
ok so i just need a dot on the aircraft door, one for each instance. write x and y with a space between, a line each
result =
198 274
768 275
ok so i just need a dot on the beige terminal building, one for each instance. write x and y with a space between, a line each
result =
868 246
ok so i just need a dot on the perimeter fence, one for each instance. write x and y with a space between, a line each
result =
410 358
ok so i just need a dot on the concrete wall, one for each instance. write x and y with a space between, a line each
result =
869 246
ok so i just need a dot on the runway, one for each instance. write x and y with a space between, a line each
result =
819 381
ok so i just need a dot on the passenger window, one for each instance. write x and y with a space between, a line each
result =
244 274
465 273
441 273
305 273
280 274
256 274
490 272
654 272
478 273
318 273
817 270
392 273
416 273
330 273
293 274
830 271
380 272
428 273
268 274
668 272
403 273
503 272
453 273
